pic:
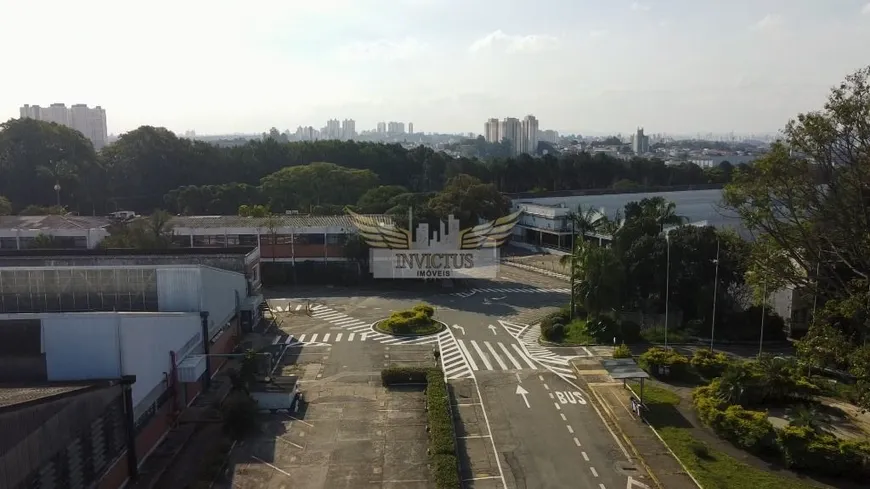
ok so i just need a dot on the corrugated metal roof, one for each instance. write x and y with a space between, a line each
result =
53 222
10 396
279 221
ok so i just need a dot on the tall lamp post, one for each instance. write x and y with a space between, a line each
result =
763 313
573 260
57 192
667 285
715 291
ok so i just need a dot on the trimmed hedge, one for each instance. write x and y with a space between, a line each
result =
443 464
800 448
709 364
403 375
415 320
663 363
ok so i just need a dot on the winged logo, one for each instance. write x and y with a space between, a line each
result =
379 234
490 234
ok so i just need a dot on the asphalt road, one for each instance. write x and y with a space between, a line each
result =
489 355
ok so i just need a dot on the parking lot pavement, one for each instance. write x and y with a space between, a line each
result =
345 436
478 460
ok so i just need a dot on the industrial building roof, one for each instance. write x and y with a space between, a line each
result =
16 395
53 222
279 221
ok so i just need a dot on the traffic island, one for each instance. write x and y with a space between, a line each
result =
417 321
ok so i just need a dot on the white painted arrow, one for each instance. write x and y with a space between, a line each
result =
635 483
493 329
458 327
523 393
499 298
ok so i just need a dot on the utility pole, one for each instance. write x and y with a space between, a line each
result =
763 313
715 290
573 260
667 287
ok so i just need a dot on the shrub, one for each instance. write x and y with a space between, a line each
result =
747 429
660 362
442 441
710 364
562 316
805 449
444 471
603 329
403 375
409 321
621 351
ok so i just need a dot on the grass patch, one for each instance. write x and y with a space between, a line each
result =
657 335
712 468
576 332
443 464
655 395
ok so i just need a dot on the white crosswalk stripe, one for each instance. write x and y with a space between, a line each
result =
358 330
453 361
528 336
486 355
522 290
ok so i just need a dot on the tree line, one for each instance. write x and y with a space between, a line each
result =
43 164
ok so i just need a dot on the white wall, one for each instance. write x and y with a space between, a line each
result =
146 341
81 346
222 292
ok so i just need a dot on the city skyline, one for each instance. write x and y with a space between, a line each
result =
413 60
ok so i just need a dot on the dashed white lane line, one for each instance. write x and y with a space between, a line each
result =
546 387
326 337
558 407
585 457
576 441
563 416
601 486
594 472
541 378
570 429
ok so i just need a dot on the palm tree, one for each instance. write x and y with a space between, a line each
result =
664 213
733 383
587 220
807 416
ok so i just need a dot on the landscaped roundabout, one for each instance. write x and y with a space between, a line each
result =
417 321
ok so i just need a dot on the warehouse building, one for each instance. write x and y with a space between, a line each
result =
66 325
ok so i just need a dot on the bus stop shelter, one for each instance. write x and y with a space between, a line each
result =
625 369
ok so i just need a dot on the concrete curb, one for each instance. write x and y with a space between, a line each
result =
625 437
374 328
655 432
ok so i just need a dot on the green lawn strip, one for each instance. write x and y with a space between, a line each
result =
712 468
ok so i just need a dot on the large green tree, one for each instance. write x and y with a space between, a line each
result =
5 206
316 184
469 200
808 201
35 156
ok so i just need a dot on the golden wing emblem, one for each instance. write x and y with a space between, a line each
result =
489 234
379 234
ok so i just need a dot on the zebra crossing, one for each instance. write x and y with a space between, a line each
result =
290 308
461 358
354 330
528 336
513 290
549 273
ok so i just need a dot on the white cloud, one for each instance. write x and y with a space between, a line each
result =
598 32
383 50
640 7
531 43
866 9
769 22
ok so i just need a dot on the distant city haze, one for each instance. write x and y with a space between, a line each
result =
580 66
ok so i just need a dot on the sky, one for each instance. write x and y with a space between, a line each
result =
595 66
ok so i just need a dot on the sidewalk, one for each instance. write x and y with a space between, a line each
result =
644 446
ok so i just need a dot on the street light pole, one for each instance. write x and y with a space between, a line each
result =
57 192
667 286
763 313
715 291
573 260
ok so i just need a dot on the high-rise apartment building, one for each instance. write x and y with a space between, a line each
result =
382 127
90 122
396 128
332 129
549 136
490 131
512 129
639 142
410 128
348 129
528 142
